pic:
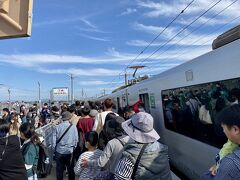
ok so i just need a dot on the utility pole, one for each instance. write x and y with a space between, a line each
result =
71 77
125 77
71 88
39 95
126 83
9 95
9 98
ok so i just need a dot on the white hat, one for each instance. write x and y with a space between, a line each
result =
140 128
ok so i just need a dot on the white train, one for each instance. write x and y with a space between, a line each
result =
207 80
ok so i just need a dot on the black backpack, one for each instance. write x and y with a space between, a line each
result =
44 165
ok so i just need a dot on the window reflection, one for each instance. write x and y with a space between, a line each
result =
192 110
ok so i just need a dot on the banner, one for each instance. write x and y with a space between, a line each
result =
60 91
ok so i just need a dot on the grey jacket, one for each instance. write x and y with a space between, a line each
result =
154 163
111 154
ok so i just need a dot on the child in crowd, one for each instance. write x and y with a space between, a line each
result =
228 148
89 173
30 149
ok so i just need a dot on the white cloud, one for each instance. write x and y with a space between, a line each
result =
161 8
30 60
112 57
61 21
221 14
92 30
191 40
186 38
105 39
87 22
112 52
39 63
129 11
176 6
202 20
169 32
94 83
81 72
57 21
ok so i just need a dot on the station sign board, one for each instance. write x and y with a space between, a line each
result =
60 91
15 18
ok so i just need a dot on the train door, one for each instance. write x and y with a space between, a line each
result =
118 103
145 101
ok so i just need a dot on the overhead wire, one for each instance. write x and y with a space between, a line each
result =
149 44
196 30
212 33
183 29
145 48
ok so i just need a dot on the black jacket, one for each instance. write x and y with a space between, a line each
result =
11 161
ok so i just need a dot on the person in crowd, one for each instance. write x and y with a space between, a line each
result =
6 115
103 136
79 112
15 125
55 115
64 108
45 114
85 124
74 120
100 118
112 152
89 173
32 115
68 136
93 113
128 112
23 114
234 96
30 149
92 105
78 105
229 167
13 111
141 107
11 159
153 160
136 106
194 105
229 146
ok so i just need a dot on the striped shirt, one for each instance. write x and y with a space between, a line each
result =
124 169
88 173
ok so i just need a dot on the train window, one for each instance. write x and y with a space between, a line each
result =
145 101
192 110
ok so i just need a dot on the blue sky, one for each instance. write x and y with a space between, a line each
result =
96 40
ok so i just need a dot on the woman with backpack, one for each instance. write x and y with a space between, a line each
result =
144 158
30 149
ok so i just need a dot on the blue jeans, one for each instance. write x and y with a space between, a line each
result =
62 161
